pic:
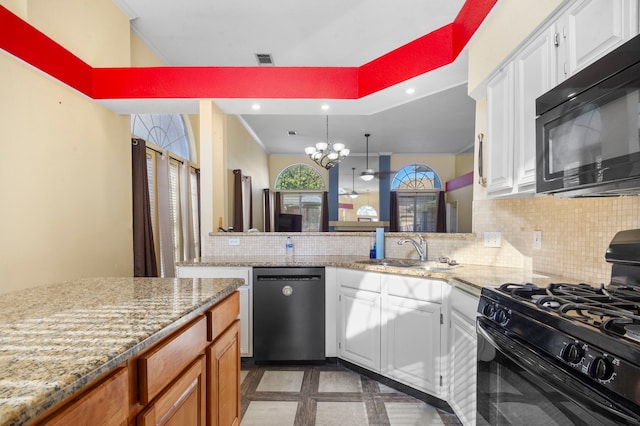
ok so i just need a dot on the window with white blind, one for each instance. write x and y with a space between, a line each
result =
173 189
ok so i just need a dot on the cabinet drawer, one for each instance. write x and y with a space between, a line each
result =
359 280
105 404
464 303
425 290
162 364
222 315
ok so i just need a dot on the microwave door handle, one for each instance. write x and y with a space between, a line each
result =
545 369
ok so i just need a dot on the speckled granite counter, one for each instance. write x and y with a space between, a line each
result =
54 340
472 277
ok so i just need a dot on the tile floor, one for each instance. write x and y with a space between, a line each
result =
328 395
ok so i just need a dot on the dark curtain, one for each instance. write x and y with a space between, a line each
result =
266 205
277 209
393 211
324 215
144 255
441 214
237 201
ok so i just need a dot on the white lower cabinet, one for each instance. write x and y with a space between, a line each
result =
246 296
360 317
413 343
463 355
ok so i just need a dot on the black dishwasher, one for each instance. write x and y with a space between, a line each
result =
288 314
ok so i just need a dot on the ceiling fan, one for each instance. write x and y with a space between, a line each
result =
368 173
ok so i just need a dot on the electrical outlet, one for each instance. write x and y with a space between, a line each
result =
537 239
493 239
234 241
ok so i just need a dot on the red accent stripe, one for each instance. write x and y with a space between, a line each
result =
422 55
345 206
459 182
32 46
226 82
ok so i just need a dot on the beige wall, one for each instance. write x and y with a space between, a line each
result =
66 162
245 154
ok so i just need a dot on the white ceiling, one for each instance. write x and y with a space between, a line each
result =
438 118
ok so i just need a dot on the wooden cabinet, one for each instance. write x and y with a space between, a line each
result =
463 355
223 378
359 305
105 404
181 403
580 33
246 296
412 332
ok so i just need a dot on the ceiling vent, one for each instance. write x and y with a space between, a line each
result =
264 59
292 132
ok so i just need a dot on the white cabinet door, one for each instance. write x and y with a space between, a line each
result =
246 296
499 138
413 343
534 69
591 28
360 319
463 356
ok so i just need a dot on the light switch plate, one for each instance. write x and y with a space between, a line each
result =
493 239
234 241
537 239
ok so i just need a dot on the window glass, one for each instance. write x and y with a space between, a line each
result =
164 130
302 188
416 176
299 177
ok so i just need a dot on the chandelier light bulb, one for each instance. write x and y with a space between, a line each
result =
321 146
338 146
309 150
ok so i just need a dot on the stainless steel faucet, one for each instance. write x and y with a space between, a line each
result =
420 246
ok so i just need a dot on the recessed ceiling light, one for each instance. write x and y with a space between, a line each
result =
410 91
325 107
255 107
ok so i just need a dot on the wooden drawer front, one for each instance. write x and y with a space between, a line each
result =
222 315
162 364
183 403
106 404
423 289
359 280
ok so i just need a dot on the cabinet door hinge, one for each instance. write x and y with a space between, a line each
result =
339 345
339 298
441 319
440 380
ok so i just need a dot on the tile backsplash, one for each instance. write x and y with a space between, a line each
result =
575 235
575 231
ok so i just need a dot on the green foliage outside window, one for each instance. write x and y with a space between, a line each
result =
299 176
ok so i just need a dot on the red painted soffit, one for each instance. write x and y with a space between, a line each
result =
431 51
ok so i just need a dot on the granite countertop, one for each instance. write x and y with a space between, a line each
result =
56 339
468 276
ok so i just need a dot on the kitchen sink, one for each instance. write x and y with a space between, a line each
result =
427 265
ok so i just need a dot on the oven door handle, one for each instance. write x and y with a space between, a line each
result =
546 368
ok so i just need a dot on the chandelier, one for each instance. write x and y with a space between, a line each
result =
327 154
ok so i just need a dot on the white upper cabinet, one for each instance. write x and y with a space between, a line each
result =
579 34
591 28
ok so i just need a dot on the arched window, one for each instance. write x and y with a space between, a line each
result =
299 177
301 188
417 187
416 176
167 131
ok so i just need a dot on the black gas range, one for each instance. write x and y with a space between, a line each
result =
584 339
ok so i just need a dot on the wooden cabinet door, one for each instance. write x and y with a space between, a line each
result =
181 403
413 343
360 316
223 379
499 155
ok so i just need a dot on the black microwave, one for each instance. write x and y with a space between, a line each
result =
588 129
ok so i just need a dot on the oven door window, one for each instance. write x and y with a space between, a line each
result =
525 392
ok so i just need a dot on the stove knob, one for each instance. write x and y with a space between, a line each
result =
502 316
573 353
489 310
601 369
